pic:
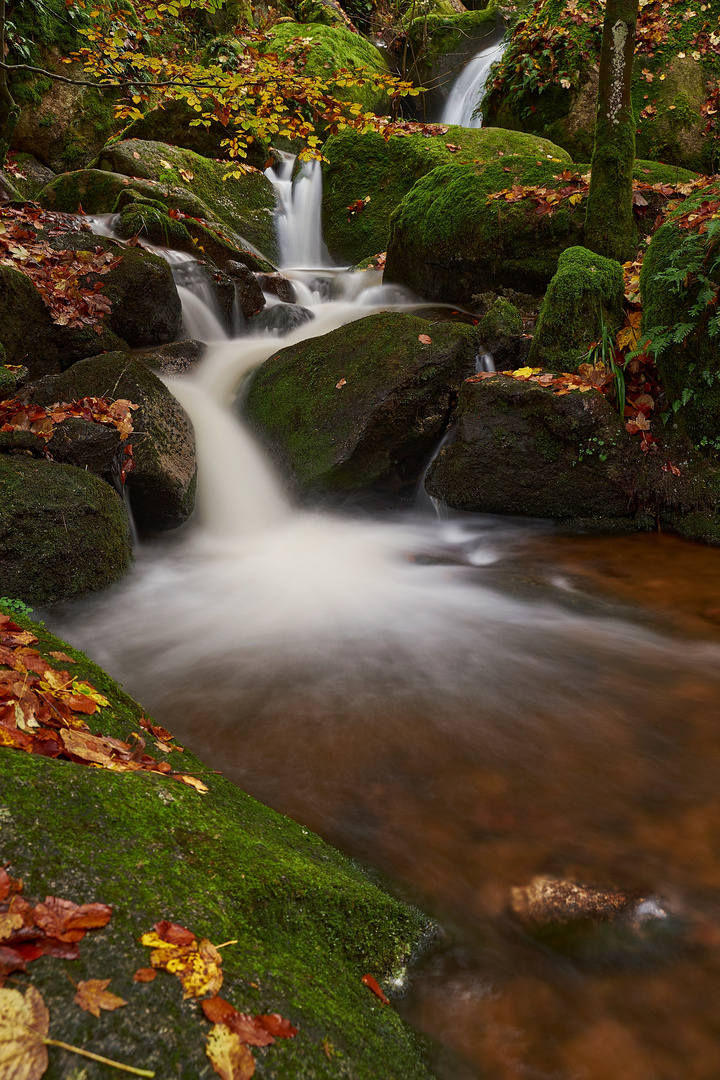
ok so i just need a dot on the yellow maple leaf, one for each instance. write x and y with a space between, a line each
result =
197 965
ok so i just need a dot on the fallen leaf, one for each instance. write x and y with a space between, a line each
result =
92 996
278 1026
145 975
63 657
173 933
66 921
339 385
24 1023
372 984
229 1057
197 965
191 781
425 339
9 923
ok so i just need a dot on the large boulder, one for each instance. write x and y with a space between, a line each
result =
302 924
448 243
556 96
585 295
31 175
442 38
63 532
332 51
360 408
162 482
519 448
368 164
30 336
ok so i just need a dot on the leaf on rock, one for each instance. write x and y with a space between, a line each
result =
249 1030
173 933
145 975
24 1023
92 996
425 339
198 965
10 960
9 923
229 1057
372 984
278 1026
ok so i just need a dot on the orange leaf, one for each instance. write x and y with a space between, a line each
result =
372 984
92 996
144 975
425 339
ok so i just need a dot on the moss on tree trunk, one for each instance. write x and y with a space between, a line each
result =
609 225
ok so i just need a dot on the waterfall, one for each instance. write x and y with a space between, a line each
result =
468 89
299 212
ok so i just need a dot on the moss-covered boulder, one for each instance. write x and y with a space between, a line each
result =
31 176
585 294
501 331
149 222
441 40
162 481
246 205
689 368
361 407
304 922
385 169
328 12
675 62
447 242
63 532
520 449
30 337
333 50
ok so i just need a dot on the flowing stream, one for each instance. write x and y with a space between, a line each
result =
462 105
461 703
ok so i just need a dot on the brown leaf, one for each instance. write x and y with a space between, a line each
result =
173 933
425 339
92 996
9 923
145 975
10 960
230 1059
191 781
66 921
278 1026
24 1023
63 657
372 984
339 385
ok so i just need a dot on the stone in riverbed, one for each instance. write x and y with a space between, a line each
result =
63 532
501 332
162 482
280 319
359 409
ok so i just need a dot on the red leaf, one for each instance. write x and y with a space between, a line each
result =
144 975
173 933
372 984
425 339
278 1026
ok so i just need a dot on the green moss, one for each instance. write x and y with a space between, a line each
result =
447 243
586 291
368 164
333 49
306 922
438 33
140 219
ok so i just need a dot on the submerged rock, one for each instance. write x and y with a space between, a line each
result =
360 408
63 532
177 358
520 449
247 287
303 922
280 319
386 169
162 482
585 294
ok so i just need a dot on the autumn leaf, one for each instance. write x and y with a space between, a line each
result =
66 921
92 996
229 1057
173 933
372 984
252 1030
339 385
197 964
24 1023
9 923
144 975
425 339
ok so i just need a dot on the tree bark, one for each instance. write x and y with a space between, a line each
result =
610 227
9 109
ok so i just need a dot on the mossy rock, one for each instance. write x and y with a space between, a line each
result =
586 292
689 369
30 337
306 923
520 449
447 243
327 12
246 206
441 42
162 481
35 175
501 331
170 123
147 221
376 429
386 169
63 532
670 82
334 49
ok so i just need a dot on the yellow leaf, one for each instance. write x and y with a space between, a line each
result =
24 1023
91 692
525 372
197 965
229 1057
575 199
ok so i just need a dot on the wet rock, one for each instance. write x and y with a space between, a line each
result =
95 447
359 409
177 358
520 449
585 294
35 175
386 170
249 290
63 532
162 482
501 332
278 285
280 319
594 923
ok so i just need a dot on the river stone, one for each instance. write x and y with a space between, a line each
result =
177 358
248 288
278 285
447 243
360 408
520 449
586 292
162 482
362 164
305 921
63 532
501 332
30 337
280 319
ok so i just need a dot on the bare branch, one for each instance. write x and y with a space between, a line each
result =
124 85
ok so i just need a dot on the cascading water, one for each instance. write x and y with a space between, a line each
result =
467 91
436 699
299 213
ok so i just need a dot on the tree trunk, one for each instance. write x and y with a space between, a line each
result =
609 223
9 110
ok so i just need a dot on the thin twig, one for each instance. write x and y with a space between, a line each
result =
98 1057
